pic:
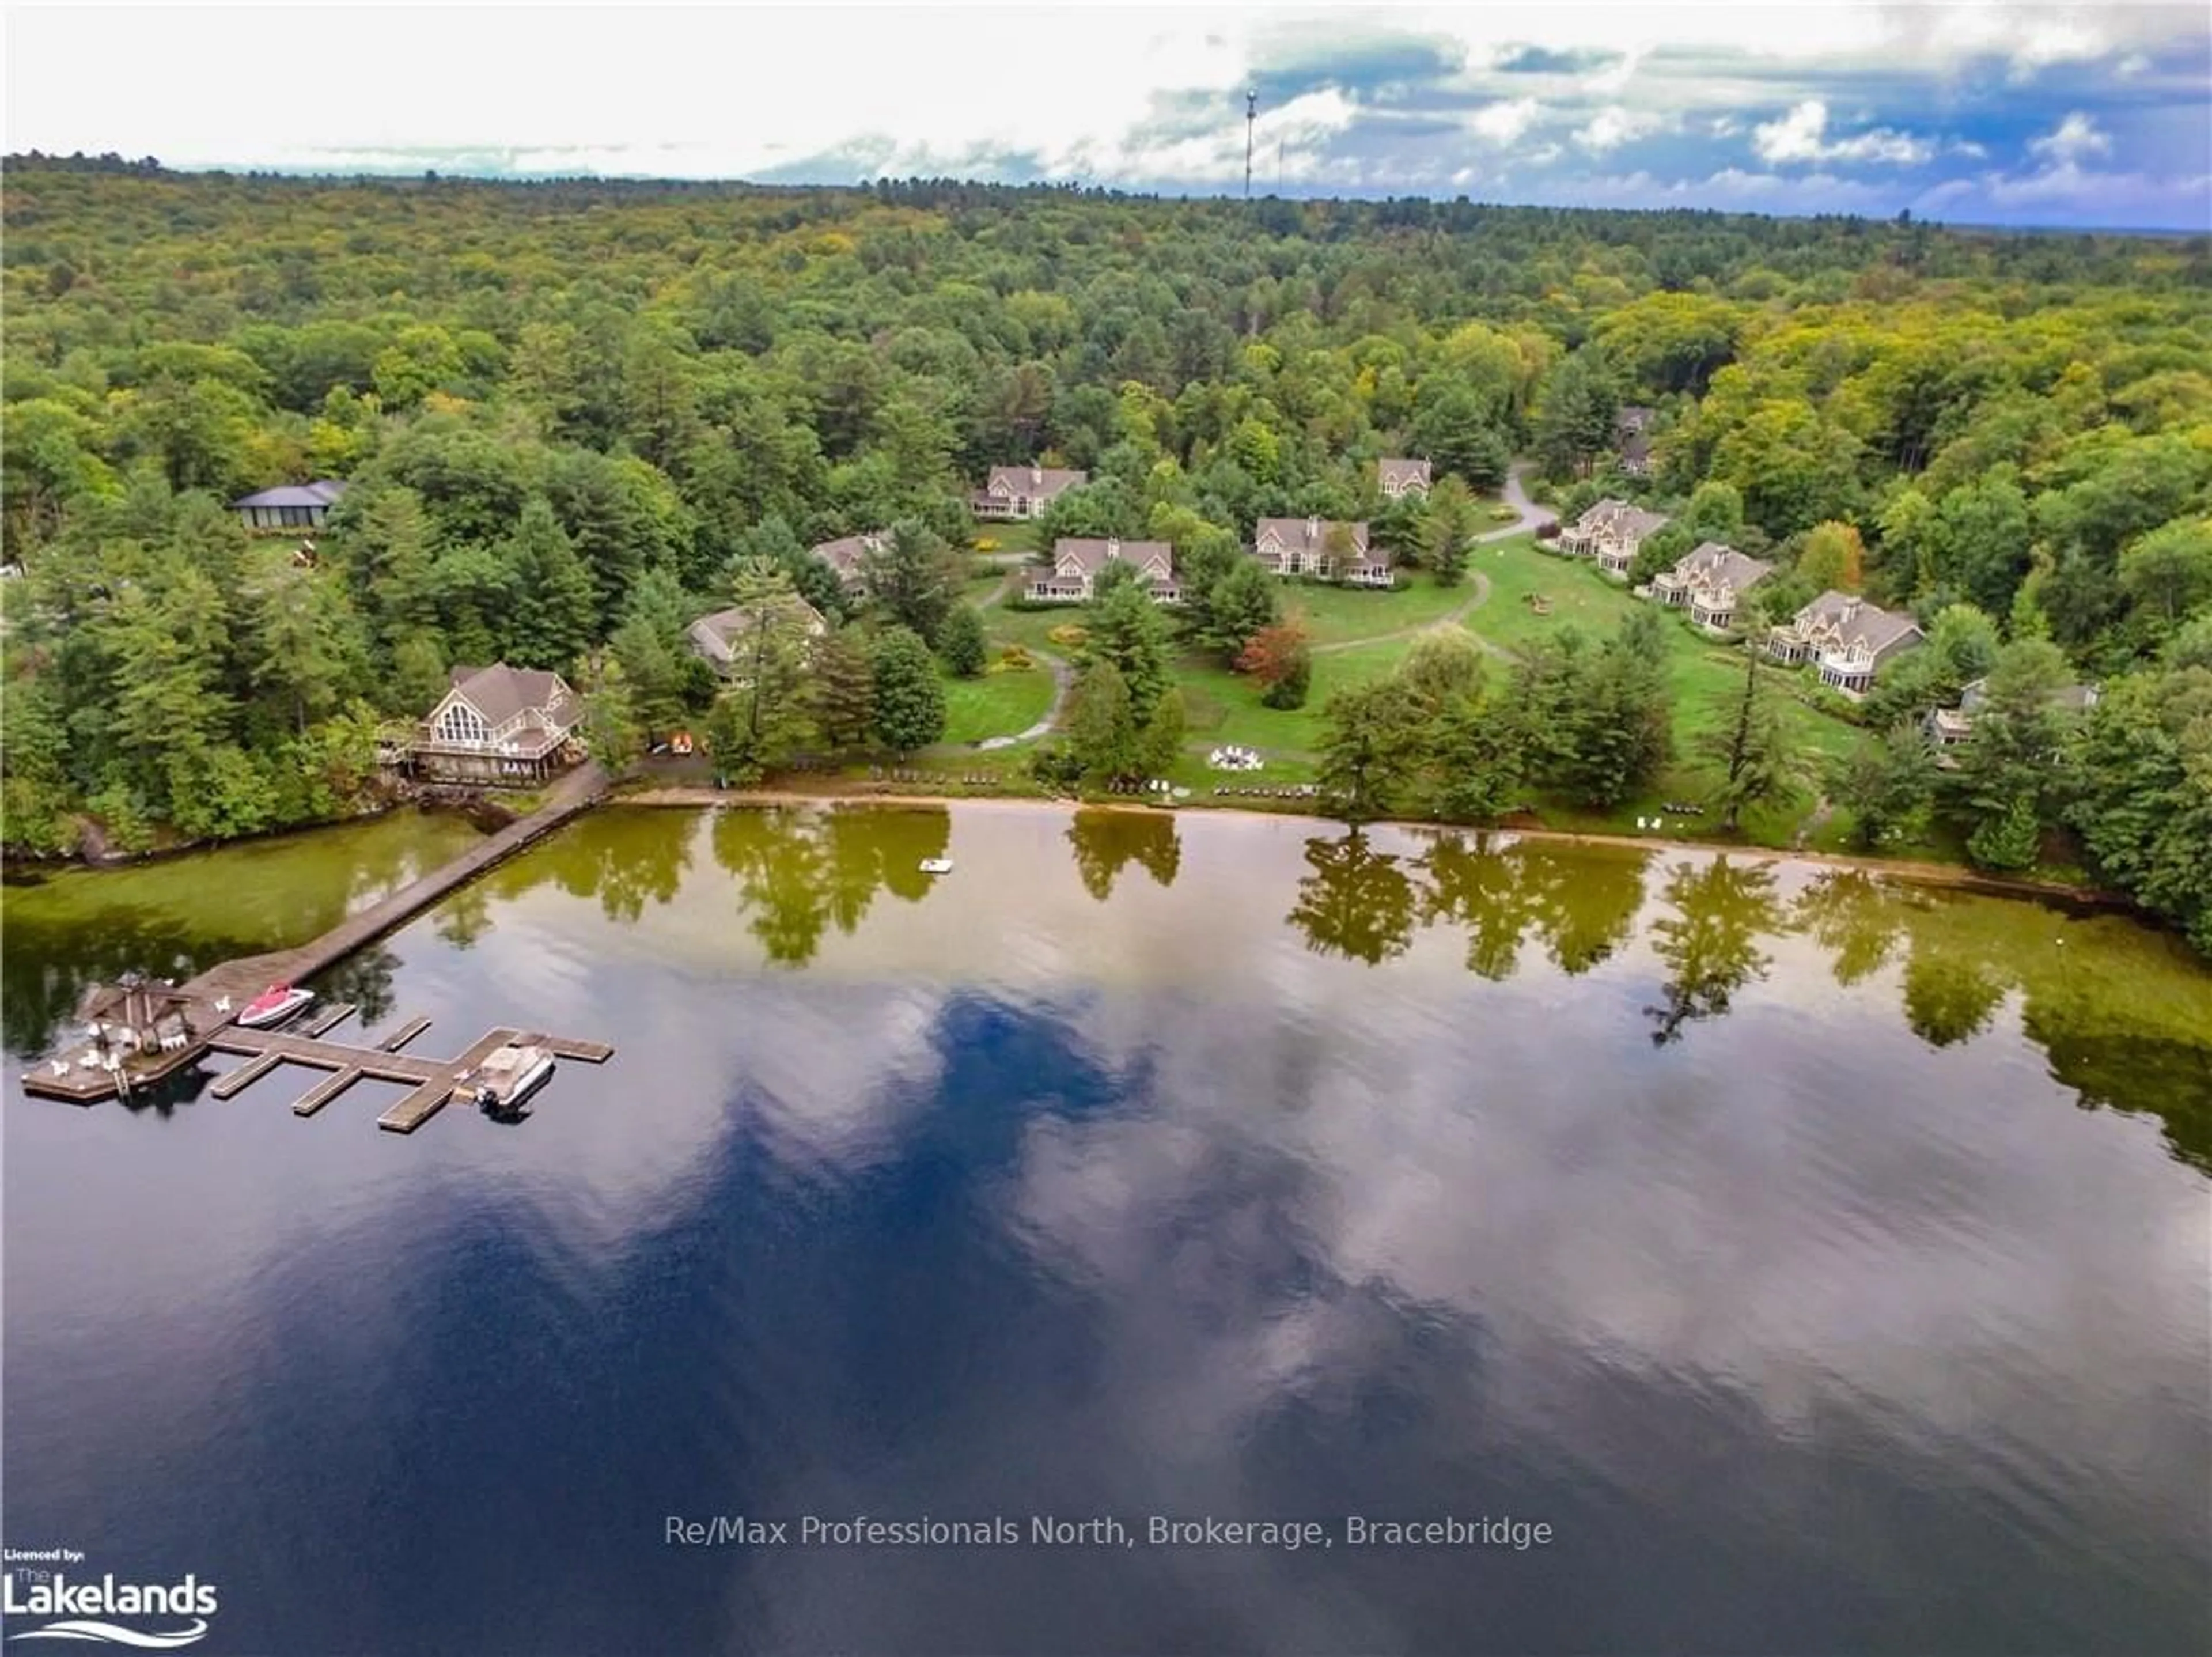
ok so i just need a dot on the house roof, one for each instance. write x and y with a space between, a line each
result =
2074 698
845 554
1636 445
499 692
1717 563
1410 471
1091 556
1621 518
321 492
1311 534
1853 617
714 636
1035 480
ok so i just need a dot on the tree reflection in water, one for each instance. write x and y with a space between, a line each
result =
1855 918
1357 903
801 873
1710 942
1108 842
365 979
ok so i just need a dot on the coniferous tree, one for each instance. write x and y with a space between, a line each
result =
1752 747
962 645
910 698
844 690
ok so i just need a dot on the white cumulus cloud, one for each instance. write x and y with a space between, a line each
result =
1502 123
1611 127
1802 135
2072 139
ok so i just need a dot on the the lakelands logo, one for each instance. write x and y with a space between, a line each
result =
158 1616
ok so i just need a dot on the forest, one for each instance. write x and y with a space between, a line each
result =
574 415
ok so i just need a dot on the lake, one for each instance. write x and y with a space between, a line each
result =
1821 1260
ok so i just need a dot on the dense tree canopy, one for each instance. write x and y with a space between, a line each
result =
570 412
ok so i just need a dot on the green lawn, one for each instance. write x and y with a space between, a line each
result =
1337 615
1225 707
1702 675
996 704
1517 570
1016 535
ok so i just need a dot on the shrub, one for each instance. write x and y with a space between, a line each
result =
1012 659
1070 636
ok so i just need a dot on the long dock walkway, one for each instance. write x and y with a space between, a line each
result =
209 1000
242 979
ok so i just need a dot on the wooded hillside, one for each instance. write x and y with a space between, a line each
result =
568 411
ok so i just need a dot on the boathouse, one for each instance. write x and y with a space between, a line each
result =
498 725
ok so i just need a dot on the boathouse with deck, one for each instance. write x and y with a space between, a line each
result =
498 725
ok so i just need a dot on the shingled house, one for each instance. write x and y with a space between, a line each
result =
289 506
1077 562
1949 727
1316 546
1022 491
719 639
1711 581
1400 478
1847 640
498 724
1610 532
849 556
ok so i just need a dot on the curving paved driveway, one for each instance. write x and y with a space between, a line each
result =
1529 514
1517 498
1063 680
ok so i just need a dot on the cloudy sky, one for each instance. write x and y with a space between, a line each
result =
2029 114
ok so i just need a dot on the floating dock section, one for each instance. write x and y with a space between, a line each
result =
430 1082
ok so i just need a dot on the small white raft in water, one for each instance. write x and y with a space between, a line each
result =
937 865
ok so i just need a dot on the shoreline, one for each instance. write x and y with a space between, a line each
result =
1950 875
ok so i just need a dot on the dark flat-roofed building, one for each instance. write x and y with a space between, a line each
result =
290 506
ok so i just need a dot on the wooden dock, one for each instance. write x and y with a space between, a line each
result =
329 1019
430 1082
405 1033
239 981
83 1076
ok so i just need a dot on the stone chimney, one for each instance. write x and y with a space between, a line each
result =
1850 612
1313 529
1036 477
1113 546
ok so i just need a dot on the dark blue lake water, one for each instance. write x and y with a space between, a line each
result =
1824 1264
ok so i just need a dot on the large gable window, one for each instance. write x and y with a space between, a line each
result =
461 723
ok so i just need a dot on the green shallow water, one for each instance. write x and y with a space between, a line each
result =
177 916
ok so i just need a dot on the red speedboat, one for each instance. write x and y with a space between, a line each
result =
273 1005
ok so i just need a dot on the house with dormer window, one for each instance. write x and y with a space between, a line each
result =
1710 582
1321 548
500 725
1023 491
1077 562
848 555
1400 478
1845 638
1611 532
